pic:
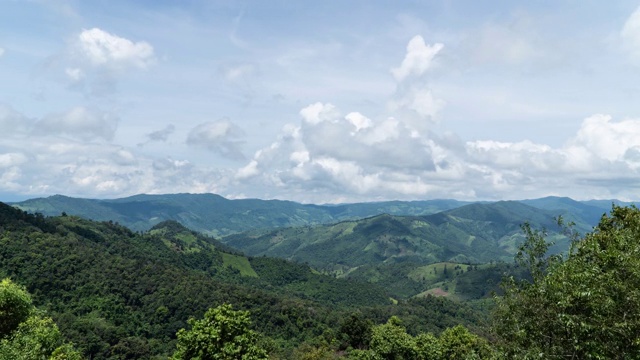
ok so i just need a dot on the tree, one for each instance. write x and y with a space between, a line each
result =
26 333
390 341
37 337
586 306
356 331
15 306
458 343
223 334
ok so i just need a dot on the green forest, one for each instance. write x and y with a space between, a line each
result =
82 289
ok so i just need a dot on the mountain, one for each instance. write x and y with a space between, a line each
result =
463 282
580 212
474 233
119 294
214 215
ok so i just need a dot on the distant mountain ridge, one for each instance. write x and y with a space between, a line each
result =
474 233
215 215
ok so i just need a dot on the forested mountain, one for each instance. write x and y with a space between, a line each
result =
214 215
119 294
474 233
446 254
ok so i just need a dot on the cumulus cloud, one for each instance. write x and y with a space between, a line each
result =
414 100
607 139
221 137
95 61
418 59
358 120
58 153
104 49
80 123
319 112
331 156
42 165
332 151
630 35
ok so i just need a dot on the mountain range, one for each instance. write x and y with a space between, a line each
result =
396 244
217 216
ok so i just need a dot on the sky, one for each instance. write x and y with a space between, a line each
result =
320 101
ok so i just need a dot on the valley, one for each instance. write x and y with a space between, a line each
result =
130 272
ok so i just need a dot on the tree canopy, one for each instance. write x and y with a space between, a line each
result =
25 333
223 334
585 306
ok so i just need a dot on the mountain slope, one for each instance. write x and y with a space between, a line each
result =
583 213
214 215
109 288
475 233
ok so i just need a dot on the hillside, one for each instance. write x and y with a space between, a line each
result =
475 233
119 294
214 215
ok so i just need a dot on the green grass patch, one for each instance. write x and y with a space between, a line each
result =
187 237
239 263
437 272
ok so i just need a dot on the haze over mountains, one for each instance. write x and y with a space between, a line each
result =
215 215
381 258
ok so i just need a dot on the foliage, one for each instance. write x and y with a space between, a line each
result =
15 306
390 341
356 331
223 334
586 306
117 294
28 334
457 343
475 233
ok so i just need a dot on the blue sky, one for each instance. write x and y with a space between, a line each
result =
333 101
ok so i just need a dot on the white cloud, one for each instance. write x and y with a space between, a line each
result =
104 49
337 158
222 137
95 62
420 100
413 100
359 121
47 165
607 139
319 112
80 123
351 154
630 35
12 159
2 51
250 170
418 59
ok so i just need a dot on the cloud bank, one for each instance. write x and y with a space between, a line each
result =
362 123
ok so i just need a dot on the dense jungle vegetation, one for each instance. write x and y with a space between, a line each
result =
169 292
